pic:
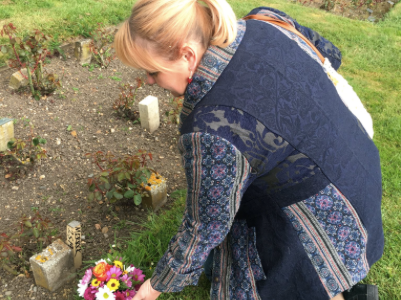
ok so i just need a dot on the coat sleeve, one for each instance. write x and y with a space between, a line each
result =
217 175
325 47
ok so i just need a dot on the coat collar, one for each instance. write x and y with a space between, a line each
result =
212 65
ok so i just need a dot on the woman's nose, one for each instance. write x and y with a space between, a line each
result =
150 79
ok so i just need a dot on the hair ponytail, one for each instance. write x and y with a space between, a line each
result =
163 26
224 23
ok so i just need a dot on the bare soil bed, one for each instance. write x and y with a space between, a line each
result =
372 12
57 186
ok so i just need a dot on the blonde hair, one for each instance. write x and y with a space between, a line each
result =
162 27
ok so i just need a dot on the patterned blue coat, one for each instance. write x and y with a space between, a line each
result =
283 181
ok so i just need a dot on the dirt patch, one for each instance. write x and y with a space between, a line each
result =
84 103
372 12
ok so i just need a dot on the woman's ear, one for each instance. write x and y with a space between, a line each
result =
189 55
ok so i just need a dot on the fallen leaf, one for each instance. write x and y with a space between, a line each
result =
105 229
8 175
74 133
97 226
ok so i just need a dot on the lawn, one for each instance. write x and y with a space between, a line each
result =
371 63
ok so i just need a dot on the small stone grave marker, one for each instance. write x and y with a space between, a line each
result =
6 132
74 242
82 51
157 190
149 113
18 79
54 266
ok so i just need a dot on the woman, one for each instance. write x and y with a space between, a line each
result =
284 183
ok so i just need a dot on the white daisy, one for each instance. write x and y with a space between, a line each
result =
82 288
130 269
102 260
104 293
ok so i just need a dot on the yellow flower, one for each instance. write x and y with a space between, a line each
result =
119 264
95 282
113 284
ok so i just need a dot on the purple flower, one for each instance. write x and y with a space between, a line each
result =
87 277
127 280
90 293
129 294
120 295
137 275
114 273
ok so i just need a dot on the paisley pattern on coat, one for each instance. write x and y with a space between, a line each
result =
333 237
216 176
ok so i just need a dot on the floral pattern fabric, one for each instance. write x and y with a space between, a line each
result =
333 237
216 176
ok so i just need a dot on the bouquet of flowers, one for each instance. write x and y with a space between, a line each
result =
110 281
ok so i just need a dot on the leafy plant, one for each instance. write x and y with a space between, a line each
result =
30 52
173 115
101 45
34 227
123 105
22 155
8 249
120 177
55 47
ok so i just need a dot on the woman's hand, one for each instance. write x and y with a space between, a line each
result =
146 292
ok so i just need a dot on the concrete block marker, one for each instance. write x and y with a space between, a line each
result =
82 51
74 242
149 113
54 266
6 132
157 190
17 80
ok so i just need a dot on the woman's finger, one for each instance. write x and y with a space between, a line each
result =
146 292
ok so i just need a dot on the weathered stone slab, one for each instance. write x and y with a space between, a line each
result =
6 132
54 266
149 113
17 80
82 51
157 192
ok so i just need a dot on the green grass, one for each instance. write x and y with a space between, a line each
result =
371 63
66 18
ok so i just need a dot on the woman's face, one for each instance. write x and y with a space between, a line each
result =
176 80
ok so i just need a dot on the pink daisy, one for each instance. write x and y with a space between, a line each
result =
137 275
87 277
120 295
114 273
129 294
127 280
